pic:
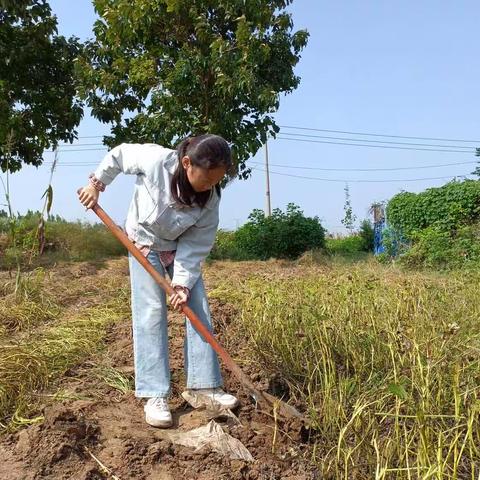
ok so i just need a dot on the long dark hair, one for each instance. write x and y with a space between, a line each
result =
205 151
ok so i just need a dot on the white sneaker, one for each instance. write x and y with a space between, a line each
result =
157 412
219 396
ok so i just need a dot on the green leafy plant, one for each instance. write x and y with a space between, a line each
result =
226 247
37 87
437 248
188 67
347 245
455 203
367 235
280 235
437 228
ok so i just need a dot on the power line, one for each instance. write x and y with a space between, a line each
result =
382 135
363 169
78 150
68 145
80 145
375 146
92 136
73 164
356 181
326 140
376 141
296 167
69 150
345 132
352 133
323 169
93 164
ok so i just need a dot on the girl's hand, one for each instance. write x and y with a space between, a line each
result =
179 298
88 196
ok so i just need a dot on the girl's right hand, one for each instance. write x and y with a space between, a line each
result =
88 196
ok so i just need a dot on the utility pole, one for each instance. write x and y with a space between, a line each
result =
268 208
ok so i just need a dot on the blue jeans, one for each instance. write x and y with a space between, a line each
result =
150 336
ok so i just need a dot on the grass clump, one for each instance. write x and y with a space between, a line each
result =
26 304
115 379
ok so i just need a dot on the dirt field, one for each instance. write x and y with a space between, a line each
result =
96 419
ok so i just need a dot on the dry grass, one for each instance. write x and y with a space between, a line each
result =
48 343
29 306
30 367
387 361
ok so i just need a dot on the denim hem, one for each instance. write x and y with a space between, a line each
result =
151 394
196 386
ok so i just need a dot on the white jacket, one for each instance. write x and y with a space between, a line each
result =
154 218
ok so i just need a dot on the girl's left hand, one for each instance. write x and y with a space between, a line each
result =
178 299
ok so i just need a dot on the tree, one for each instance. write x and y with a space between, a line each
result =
38 107
350 218
180 67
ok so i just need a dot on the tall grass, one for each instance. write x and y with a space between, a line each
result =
387 362
64 240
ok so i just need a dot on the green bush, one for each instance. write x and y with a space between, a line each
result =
345 245
281 235
226 247
435 247
450 206
367 234
437 228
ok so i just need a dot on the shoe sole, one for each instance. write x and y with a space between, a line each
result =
158 423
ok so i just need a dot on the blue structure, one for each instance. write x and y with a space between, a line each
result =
379 225
378 228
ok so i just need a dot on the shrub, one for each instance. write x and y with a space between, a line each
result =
450 206
367 234
345 245
226 247
434 247
281 235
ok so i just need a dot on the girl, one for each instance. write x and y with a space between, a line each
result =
172 219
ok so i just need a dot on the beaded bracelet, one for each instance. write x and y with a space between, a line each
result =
185 290
95 182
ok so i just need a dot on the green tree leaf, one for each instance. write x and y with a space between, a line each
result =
37 88
159 70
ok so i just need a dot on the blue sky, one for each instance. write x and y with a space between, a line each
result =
400 68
